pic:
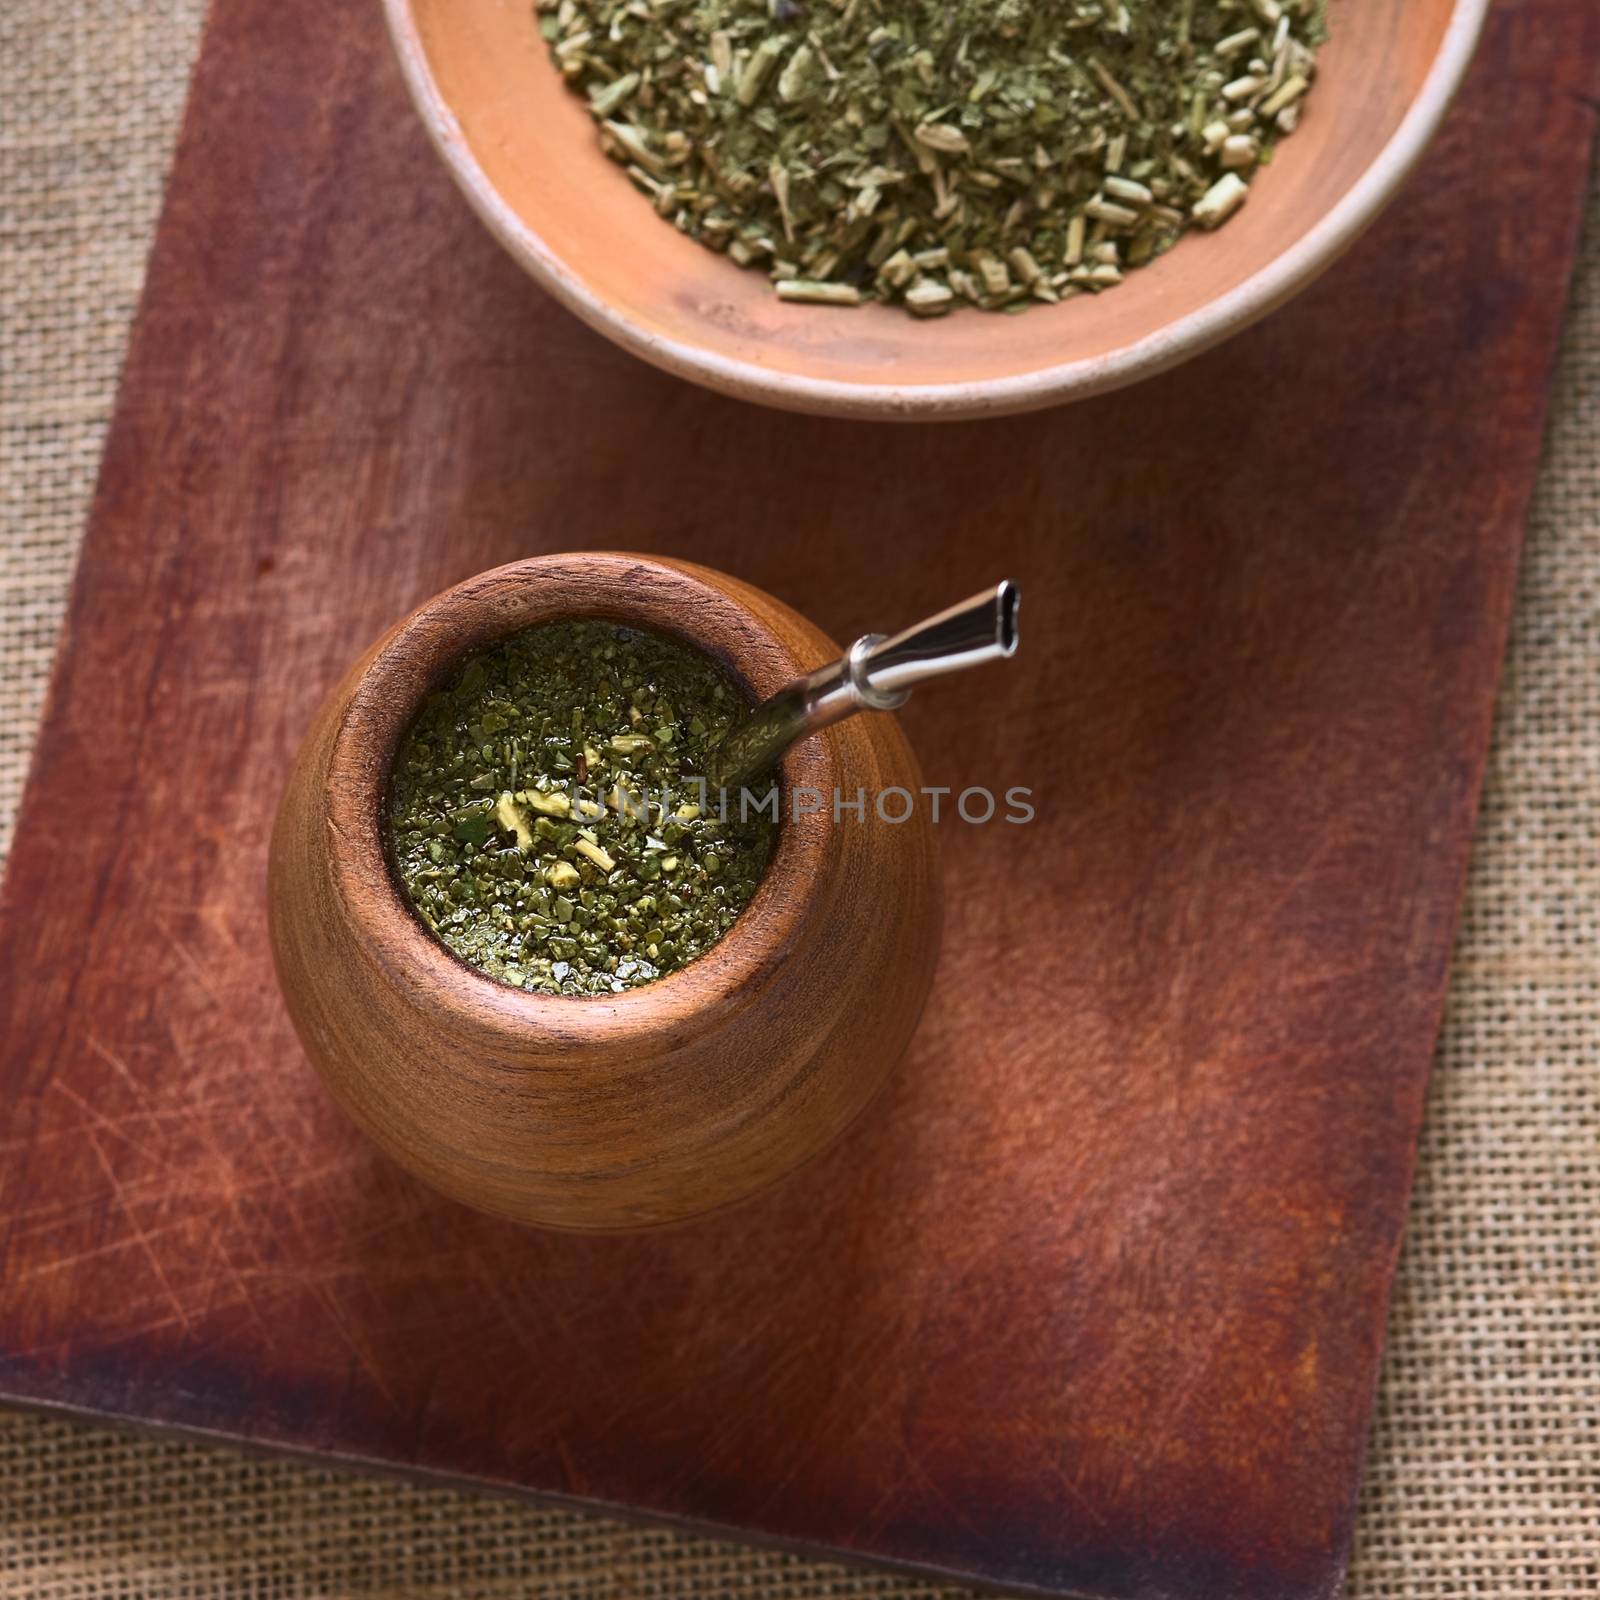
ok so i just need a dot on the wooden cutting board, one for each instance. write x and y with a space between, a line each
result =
1094 1301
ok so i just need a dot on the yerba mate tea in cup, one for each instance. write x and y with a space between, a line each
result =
548 813
523 962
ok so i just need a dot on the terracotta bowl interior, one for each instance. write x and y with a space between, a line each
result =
476 615
525 150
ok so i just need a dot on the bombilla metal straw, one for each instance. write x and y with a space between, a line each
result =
877 673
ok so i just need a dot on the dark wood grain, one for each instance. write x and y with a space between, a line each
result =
1094 1301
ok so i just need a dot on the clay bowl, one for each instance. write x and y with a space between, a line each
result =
523 150
622 1111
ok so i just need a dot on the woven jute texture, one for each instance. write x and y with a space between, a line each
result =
1484 1476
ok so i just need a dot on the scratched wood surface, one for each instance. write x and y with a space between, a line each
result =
1094 1301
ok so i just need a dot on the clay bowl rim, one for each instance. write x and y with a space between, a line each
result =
469 616
1189 335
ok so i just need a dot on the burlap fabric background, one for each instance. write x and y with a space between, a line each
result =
1485 1469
